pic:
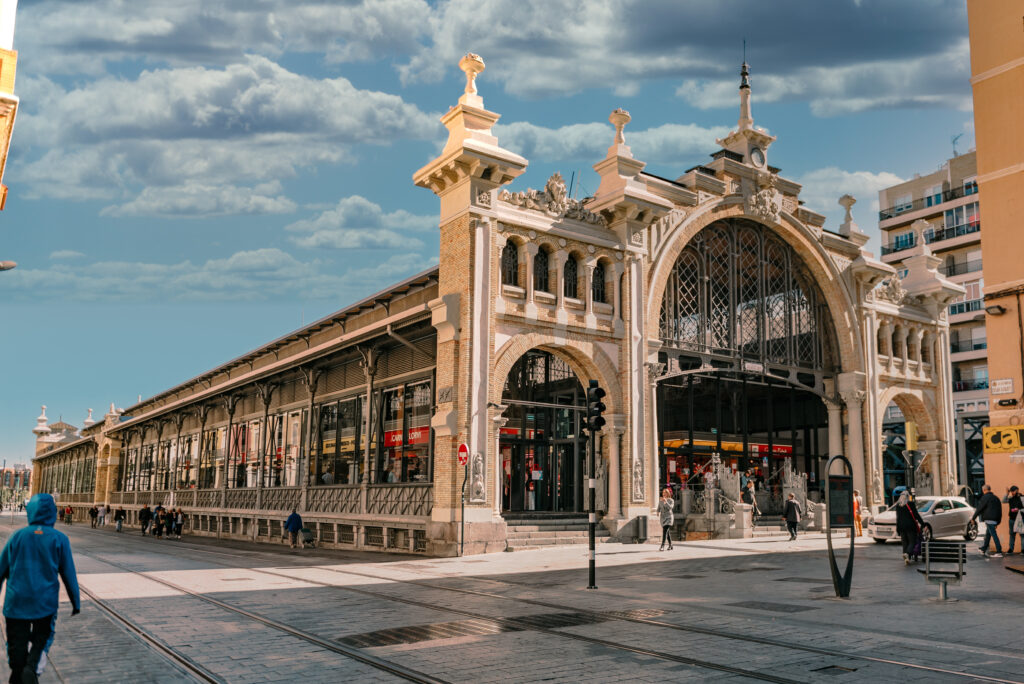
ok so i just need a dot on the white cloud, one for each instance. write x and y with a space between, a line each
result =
185 141
66 254
250 275
357 223
926 81
823 187
668 143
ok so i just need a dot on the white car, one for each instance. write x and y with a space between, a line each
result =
943 516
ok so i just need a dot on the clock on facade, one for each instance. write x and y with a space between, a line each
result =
757 156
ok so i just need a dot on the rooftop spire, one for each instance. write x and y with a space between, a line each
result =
746 118
41 427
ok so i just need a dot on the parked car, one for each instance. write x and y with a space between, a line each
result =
944 516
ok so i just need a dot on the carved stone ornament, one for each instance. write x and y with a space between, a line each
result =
477 488
483 198
638 478
764 203
892 291
553 201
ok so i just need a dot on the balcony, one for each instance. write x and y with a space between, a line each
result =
937 236
967 345
930 201
960 269
965 307
970 384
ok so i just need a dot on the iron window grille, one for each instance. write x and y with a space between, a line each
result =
571 275
540 272
597 287
510 264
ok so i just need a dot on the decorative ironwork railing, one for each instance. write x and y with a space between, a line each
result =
244 499
281 498
208 498
143 498
405 499
77 497
120 497
339 499
161 496
185 497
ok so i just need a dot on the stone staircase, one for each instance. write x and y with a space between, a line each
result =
770 526
535 530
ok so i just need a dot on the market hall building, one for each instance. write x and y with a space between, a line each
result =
728 326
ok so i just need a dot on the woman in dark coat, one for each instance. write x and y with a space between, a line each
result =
908 524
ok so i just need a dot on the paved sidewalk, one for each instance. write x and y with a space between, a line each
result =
401 608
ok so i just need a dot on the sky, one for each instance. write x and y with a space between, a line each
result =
189 180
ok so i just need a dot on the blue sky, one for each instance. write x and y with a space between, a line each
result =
189 180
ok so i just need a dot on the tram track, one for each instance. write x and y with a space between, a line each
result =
602 615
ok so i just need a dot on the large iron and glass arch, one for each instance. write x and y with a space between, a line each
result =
738 292
749 339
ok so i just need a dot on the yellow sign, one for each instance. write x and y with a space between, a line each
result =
1003 440
911 434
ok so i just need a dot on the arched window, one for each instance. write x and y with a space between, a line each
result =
597 284
540 272
570 276
510 264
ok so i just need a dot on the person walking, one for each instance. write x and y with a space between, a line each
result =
858 506
31 563
1013 500
666 514
145 518
179 522
908 526
748 497
119 518
101 515
791 514
990 511
93 514
159 521
293 525
69 515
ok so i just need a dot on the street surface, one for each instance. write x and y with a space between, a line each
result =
736 610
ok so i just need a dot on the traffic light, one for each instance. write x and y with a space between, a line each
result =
595 407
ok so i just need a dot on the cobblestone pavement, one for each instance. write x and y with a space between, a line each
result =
752 608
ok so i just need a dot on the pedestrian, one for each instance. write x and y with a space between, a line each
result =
908 526
1016 521
858 506
748 497
31 563
93 514
179 522
101 514
69 515
791 514
145 518
990 511
119 518
159 518
666 507
293 525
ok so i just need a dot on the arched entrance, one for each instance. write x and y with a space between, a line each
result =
748 344
541 445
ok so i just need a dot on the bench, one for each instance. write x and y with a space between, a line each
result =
945 553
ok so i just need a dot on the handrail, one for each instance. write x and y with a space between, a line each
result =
922 202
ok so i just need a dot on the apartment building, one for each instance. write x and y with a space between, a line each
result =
947 199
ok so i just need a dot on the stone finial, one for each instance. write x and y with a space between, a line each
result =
848 228
473 65
88 420
920 245
847 202
619 118
113 411
41 427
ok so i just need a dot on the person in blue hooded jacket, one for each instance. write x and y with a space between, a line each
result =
31 563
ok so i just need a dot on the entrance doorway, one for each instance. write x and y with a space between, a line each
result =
540 444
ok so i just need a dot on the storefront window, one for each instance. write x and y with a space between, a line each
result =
238 449
402 434
416 464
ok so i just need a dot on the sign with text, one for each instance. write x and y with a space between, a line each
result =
1001 386
840 501
1002 440
463 454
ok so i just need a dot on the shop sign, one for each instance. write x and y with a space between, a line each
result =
1001 386
419 435
1002 440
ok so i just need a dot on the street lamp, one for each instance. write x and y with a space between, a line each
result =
7 265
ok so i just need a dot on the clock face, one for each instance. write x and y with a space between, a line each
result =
757 156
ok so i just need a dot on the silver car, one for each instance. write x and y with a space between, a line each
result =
943 516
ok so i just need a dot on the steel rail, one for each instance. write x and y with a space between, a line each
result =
353 653
708 631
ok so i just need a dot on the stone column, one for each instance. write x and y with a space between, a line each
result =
854 400
530 250
835 426
498 420
615 467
